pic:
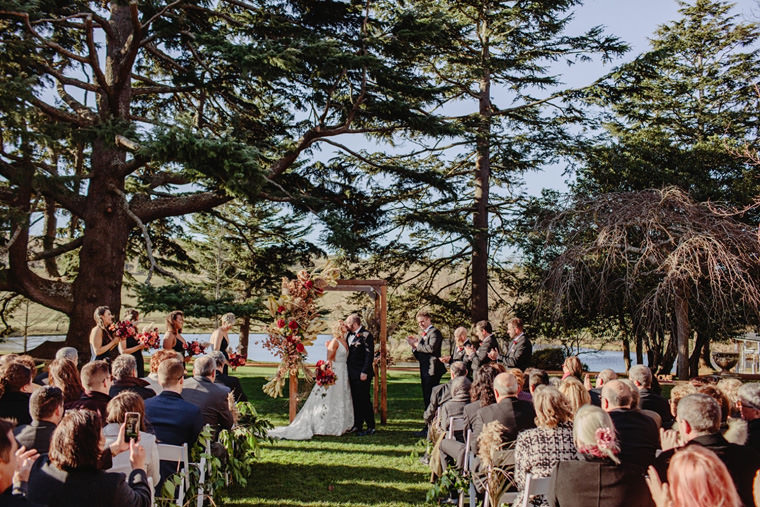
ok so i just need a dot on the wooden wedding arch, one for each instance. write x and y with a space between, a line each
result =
377 290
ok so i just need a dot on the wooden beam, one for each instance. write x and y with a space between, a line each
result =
383 353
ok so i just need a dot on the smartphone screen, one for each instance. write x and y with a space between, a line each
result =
132 426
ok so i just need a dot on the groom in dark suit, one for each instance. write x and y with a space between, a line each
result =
361 352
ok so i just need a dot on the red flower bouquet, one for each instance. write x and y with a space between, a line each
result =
123 330
150 338
236 360
325 375
194 348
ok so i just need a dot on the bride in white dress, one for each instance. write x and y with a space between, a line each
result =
327 411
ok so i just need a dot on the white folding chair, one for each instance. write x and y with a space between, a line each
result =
203 468
456 424
152 492
178 454
535 486
466 465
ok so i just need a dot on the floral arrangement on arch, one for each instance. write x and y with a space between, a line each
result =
296 324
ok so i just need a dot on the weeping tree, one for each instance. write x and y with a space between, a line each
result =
662 258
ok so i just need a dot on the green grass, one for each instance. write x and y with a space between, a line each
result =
379 470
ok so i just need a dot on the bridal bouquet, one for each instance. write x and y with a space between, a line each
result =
150 338
325 374
236 360
296 323
194 348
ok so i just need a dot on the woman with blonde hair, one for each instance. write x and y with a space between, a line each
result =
329 410
219 338
696 478
537 450
597 478
572 367
572 389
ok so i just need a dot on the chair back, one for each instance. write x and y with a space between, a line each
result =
535 486
179 454
456 425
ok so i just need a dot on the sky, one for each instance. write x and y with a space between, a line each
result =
634 22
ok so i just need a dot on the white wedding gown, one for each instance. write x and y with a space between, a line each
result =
327 411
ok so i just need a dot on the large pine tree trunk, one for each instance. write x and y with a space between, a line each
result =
682 335
482 184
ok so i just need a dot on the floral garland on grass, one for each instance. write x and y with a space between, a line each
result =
296 324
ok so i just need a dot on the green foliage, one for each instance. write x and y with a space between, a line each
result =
450 482
548 359
242 443
194 301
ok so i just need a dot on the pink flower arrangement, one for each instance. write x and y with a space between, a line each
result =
123 330
194 348
150 338
236 360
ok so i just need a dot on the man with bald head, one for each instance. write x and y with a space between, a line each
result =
638 435
602 378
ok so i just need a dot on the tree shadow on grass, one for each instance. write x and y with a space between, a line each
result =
334 483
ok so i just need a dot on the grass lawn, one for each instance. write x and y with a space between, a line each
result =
378 470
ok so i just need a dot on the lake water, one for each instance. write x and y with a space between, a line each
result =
596 360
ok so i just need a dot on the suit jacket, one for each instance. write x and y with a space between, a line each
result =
211 398
15 405
134 384
452 408
480 358
649 400
233 383
49 485
516 415
753 435
361 353
92 401
742 462
638 437
174 420
428 353
519 353
440 395
35 435
596 396
599 482
459 354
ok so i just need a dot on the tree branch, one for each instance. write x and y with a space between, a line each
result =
152 209
55 252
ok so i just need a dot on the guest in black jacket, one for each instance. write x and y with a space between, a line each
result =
16 383
96 380
462 351
69 476
227 380
649 400
427 350
602 378
637 433
599 478
13 468
124 371
488 346
749 407
46 408
699 424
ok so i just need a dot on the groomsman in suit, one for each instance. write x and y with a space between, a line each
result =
427 350
519 349
488 343
361 353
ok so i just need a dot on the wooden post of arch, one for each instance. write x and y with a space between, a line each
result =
378 290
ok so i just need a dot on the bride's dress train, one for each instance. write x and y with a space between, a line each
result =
327 411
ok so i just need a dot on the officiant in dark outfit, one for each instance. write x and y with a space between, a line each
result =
427 350
361 352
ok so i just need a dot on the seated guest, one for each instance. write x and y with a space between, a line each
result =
69 353
225 379
536 378
96 379
598 478
16 386
65 376
124 371
637 434
69 475
174 420
730 389
30 363
648 400
118 407
211 398
603 377
699 424
46 409
523 394
572 367
716 394
635 402
678 392
696 478
537 450
15 465
156 359
442 392
577 395
454 407
481 394
749 407
462 340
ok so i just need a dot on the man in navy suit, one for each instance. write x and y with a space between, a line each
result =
174 420
361 353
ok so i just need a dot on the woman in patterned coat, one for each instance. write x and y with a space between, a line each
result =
538 450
